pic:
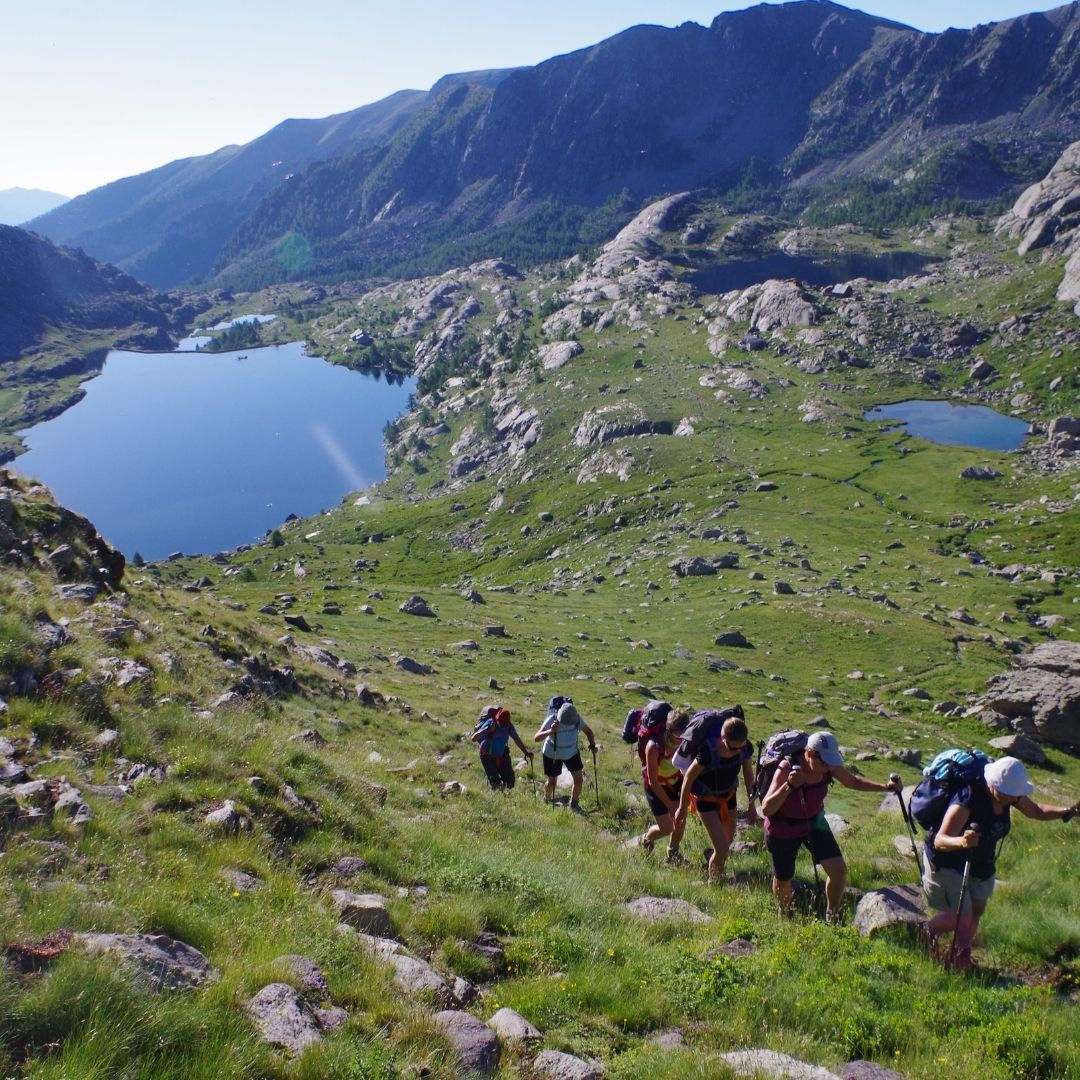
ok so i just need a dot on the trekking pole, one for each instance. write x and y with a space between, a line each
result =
960 906
906 815
596 778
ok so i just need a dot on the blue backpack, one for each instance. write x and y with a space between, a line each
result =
947 774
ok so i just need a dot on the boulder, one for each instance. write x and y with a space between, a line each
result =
417 605
226 818
419 977
868 1070
619 420
661 909
363 911
1041 695
895 904
475 1045
512 1027
413 667
555 1065
283 1018
157 961
772 1064
1020 746
698 566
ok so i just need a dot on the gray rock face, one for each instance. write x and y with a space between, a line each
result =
512 1027
776 1066
475 1044
660 909
782 303
158 961
1069 289
283 1018
638 239
1048 209
1020 746
363 911
555 1065
619 420
894 904
558 353
1042 695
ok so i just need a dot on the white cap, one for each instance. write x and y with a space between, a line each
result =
1008 776
824 744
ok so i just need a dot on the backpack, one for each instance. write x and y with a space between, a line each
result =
947 774
702 727
644 724
784 744
557 702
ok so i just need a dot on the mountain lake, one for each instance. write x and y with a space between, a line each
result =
952 424
200 452
721 277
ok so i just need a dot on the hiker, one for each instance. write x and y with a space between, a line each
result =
560 735
710 784
493 733
966 844
663 782
794 813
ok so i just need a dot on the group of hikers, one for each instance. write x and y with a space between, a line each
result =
694 764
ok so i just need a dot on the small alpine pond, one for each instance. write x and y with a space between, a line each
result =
952 424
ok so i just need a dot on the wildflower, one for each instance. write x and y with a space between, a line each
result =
236 894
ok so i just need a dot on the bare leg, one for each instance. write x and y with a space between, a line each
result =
661 827
782 892
721 842
579 776
835 883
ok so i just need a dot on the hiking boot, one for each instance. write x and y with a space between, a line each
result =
675 857
834 918
575 807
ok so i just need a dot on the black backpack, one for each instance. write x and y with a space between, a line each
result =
947 774
644 724
784 744
702 727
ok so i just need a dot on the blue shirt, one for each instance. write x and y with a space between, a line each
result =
495 738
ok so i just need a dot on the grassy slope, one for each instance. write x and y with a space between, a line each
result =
593 979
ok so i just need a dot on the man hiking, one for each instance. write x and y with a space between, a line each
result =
493 733
961 854
711 783
662 781
794 811
560 737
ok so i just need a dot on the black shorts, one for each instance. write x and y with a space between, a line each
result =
709 804
820 843
656 806
554 766
499 770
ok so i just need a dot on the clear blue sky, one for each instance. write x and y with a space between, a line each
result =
93 90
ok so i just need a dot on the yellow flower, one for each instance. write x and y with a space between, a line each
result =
236 894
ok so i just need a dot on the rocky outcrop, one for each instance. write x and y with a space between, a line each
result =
662 909
1041 696
638 240
1048 211
782 303
618 421
896 904
558 353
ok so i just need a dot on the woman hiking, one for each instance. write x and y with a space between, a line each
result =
662 781
493 733
794 810
560 737
965 846
711 783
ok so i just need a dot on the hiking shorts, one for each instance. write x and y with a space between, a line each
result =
554 766
943 887
784 852
656 805
499 770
